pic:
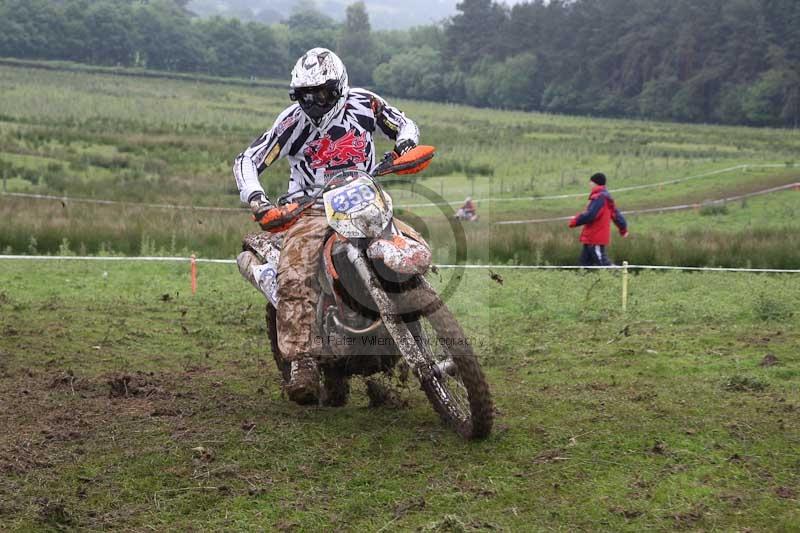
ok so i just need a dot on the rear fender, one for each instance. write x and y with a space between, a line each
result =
262 244
260 265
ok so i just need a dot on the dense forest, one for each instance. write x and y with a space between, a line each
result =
727 61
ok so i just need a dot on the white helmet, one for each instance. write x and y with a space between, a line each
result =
319 84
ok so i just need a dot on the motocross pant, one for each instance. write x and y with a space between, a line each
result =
298 286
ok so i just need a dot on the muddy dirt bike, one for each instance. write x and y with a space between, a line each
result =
376 312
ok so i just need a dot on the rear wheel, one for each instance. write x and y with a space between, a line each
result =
335 388
336 384
453 380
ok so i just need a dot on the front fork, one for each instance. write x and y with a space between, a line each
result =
392 320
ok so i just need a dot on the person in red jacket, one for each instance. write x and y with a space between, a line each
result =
596 221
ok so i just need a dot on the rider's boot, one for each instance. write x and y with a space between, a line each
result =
303 386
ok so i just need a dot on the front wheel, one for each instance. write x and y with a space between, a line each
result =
452 377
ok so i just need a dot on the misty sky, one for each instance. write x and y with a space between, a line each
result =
384 14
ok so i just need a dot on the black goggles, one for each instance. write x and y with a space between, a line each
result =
321 95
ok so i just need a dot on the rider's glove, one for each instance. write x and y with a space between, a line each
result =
573 222
404 146
259 205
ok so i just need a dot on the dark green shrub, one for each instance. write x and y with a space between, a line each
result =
768 309
739 383
713 209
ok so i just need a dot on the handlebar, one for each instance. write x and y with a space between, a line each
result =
283 216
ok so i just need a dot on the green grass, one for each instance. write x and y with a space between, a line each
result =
196 128
661 418
94 133
775 211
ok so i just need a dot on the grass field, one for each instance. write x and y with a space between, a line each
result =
93 134
129 404
159 129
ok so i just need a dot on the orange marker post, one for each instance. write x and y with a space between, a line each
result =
194 273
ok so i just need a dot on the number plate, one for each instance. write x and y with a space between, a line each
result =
353 197
358 210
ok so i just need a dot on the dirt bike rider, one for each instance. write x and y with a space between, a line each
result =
329 128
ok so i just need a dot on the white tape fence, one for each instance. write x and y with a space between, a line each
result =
620 189
625 268
467 266
680 207
72 200
98 201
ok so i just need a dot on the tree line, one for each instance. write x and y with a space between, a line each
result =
723 61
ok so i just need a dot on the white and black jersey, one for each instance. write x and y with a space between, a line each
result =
346 142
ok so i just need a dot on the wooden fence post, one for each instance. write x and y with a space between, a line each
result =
624 286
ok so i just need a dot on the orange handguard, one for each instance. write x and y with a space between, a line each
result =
281 218
415 160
